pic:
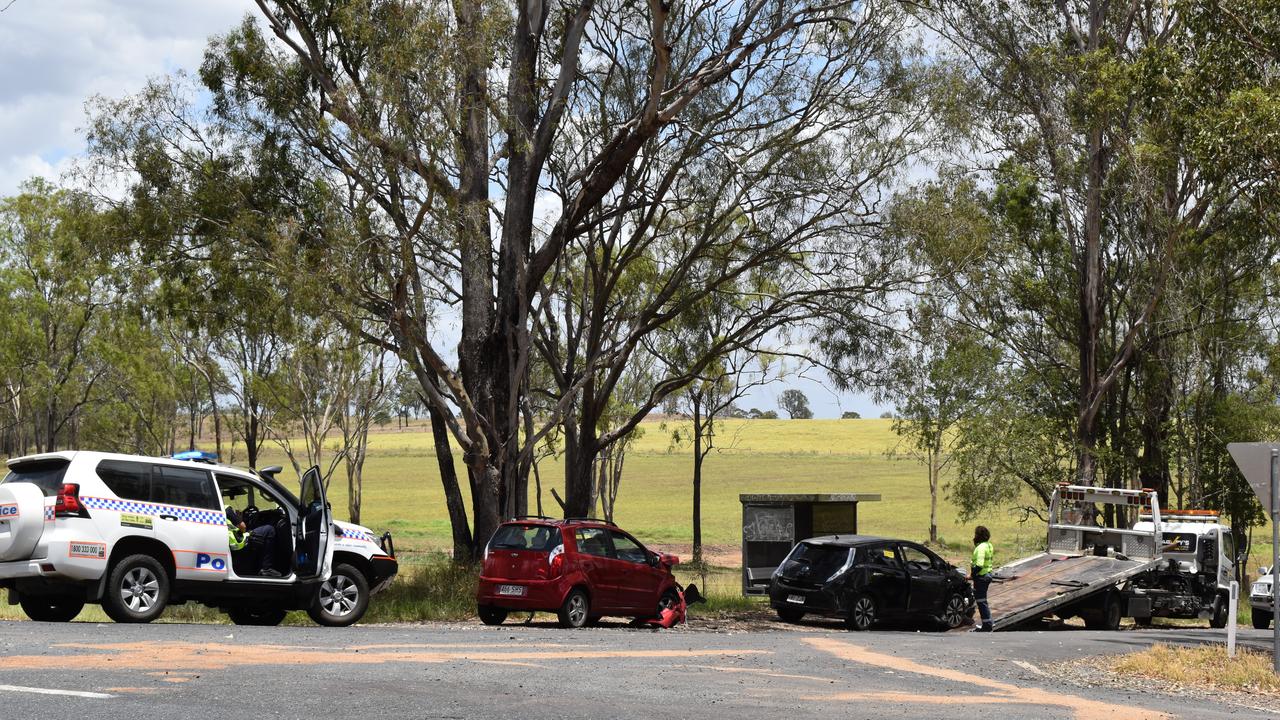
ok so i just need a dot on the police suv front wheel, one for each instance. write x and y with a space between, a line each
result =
342 599
137 590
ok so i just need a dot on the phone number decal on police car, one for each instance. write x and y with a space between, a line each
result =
91 550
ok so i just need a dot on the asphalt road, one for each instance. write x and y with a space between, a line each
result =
539 671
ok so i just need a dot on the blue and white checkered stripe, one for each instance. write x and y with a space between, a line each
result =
204 517
356 535
48 512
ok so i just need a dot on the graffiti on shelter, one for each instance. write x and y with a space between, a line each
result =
768 524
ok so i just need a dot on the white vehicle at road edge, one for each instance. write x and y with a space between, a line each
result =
137 534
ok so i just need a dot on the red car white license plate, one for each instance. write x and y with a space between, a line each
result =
797 599
517 590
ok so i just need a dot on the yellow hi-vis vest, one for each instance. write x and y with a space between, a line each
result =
235 538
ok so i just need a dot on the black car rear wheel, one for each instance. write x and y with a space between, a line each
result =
790 615
956 611
862 612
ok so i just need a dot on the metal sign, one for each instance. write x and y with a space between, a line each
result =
1254 461
1260 464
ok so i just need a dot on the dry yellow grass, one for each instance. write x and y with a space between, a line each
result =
1205 666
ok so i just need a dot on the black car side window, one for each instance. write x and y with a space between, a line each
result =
916 558
883 555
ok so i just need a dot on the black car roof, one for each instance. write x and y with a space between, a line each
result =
849 540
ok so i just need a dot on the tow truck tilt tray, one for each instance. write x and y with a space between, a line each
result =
1176 565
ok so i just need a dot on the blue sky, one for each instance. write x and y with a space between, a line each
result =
55 55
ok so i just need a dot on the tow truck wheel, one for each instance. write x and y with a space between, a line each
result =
862 613
137 590
1261 619
257 616
342 599
44 608
790 615
1106 617
490 615
1219 619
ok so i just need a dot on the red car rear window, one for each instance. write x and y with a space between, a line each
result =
525 537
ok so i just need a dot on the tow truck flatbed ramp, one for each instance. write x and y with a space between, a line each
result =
1038 585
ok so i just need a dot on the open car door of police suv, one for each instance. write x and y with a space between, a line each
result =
137 534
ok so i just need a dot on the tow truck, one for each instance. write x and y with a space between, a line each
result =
1177 565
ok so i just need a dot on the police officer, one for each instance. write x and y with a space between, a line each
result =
257 546
980 567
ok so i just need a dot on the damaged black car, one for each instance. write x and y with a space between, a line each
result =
864 580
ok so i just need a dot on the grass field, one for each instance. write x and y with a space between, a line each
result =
402 491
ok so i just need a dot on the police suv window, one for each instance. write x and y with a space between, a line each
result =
128 480
44 474
184 486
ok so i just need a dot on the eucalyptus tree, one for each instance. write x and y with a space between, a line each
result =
1126 136
485 147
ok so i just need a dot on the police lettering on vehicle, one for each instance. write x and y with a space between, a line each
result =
205 560
9 510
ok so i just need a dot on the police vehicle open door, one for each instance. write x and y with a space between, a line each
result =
313 553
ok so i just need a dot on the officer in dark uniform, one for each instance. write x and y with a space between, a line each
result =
252 550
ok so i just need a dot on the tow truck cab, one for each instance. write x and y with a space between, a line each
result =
1194 580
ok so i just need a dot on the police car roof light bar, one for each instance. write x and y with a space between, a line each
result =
203 456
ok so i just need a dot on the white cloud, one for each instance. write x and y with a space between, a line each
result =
56 55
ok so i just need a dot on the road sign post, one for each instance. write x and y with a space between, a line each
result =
1233 609
1260 465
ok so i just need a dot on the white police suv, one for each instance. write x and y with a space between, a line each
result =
137 534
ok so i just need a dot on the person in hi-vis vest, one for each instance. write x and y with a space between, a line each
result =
980 567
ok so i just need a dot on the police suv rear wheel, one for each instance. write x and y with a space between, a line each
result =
342 599
137 590
45 608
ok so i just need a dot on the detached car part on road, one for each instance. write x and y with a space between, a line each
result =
867 579
580 569
137 534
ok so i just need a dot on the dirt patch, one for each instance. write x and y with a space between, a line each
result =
998 692
179 657
728 556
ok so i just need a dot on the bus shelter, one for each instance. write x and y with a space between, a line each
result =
773 523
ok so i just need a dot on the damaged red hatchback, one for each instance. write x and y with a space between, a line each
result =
580 569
